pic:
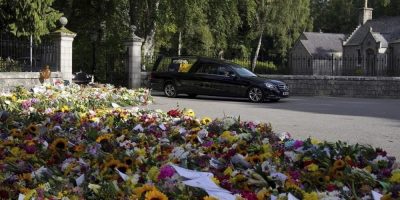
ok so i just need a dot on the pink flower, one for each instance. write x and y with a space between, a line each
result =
248 195
166 172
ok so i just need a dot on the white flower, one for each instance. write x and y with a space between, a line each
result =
94 187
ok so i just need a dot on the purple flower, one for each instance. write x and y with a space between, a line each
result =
26 104
30 149
166 172
208 144
297 144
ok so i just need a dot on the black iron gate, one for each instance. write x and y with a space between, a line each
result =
21 54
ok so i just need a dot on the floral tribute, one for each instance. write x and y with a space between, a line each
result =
90 152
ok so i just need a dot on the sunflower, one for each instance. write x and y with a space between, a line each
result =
339 164
16 132
32 129
209 198
241 148
122 167
59 144
206 120
104 138
339 174
155 195
128 160
112 164
140 190
255 159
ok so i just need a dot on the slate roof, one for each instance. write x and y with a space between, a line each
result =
380 38
323 44
387 27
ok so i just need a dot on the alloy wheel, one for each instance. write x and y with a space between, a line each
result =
255 94
170 90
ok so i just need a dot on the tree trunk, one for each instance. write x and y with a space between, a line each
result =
179 43
149 43
254 62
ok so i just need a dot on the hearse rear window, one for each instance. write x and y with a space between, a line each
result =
176 64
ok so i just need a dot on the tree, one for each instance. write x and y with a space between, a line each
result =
28 17
262 15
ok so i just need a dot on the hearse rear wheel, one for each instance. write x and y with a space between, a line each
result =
170 90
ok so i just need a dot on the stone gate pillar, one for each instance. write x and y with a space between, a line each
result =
63 42
134 45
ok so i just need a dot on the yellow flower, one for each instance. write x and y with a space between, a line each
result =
140 190
395 178
59 144
267 148
312 167
155 195
153 173
368 168
310 196
112 164
33 129
95 188
122 167
255 159
141 152
104 138
16 132
215 180
262 194
16 151
228 171
188 112
206 120
339 164
228 136
314 141
65 108
94 119
209 198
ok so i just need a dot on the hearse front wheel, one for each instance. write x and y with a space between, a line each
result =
255 94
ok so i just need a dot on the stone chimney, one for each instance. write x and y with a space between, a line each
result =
365 13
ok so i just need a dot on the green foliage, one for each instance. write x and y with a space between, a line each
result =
267 67
9 65
29 17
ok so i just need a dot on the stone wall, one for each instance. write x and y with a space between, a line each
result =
10 80
348 86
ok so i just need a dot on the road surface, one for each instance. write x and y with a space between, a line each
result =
354 120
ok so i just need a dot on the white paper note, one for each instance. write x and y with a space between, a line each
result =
123 176
376 195
291 197
191 174
21 196
80 180
138 128
221 195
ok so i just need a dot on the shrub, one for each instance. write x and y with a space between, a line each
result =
9 65
266 67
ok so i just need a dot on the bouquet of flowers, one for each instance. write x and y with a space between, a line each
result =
130 153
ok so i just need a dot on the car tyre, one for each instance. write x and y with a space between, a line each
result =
255 94
274 100
170 90
191 95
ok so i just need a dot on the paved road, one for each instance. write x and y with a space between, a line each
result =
354 120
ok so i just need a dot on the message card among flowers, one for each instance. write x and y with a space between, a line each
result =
72 142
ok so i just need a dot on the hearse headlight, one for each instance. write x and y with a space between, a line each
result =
270 85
